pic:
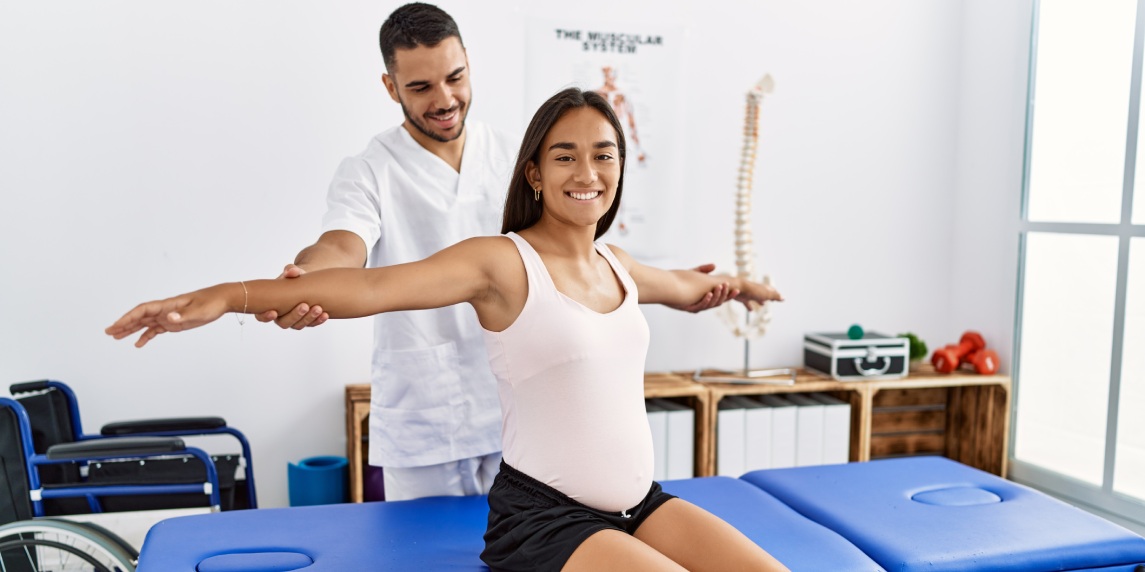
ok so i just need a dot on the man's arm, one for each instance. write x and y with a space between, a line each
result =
334 249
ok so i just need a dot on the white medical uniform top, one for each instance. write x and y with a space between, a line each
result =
434 398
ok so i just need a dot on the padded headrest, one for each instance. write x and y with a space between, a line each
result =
255 562
956 496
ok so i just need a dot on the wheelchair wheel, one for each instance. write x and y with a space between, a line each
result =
61 546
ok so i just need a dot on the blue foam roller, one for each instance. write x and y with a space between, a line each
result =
318 480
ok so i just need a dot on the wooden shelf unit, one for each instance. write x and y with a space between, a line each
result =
963 416
357 436
805 382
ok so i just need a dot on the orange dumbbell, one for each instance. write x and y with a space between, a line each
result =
948 359
983 361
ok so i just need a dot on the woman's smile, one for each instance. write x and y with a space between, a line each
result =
584 195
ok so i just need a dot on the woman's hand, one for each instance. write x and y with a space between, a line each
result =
173 314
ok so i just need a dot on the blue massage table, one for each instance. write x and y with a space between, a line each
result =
902 515
931 513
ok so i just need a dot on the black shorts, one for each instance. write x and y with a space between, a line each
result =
534 527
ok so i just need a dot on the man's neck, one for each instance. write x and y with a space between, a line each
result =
448 151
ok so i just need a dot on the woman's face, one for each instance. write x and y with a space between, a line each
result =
579 168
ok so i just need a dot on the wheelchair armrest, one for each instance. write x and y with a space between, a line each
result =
177 424
28 386
126 447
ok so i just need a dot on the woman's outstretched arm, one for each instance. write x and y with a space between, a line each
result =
457 274
678 288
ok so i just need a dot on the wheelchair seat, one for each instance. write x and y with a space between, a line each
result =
53 410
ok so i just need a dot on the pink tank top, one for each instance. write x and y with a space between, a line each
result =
571 382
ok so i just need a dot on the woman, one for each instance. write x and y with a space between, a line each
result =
567 343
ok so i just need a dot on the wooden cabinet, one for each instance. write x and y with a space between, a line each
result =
357 436
963 416
804 383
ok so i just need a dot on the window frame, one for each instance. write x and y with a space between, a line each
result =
1102 498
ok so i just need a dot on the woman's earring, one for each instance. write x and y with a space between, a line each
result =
536 193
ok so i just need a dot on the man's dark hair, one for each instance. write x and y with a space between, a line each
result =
415 24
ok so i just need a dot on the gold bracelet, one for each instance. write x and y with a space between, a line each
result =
242 317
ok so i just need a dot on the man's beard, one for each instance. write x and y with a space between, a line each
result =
461 108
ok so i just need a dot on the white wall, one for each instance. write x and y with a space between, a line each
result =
150 148
988 183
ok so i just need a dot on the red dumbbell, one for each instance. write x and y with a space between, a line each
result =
948 359
983 361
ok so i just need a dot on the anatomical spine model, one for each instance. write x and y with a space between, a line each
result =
754 323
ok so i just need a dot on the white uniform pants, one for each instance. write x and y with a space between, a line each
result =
473 476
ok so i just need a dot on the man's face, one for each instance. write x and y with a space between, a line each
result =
432 86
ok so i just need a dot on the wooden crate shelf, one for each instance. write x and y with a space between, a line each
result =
959 415
805 382
357 436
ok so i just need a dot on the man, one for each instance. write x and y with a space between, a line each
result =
428 183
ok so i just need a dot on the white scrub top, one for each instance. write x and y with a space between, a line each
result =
434 398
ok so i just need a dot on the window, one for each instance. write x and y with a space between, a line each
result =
1079 424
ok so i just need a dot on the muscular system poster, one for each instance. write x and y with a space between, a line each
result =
637 68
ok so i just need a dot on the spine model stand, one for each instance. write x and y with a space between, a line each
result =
748 324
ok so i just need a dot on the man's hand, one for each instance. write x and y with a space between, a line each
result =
716 297
302 316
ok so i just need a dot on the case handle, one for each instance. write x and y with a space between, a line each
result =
874 370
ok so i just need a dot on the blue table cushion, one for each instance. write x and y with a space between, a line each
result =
934 514
797 542
424 535
445 533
